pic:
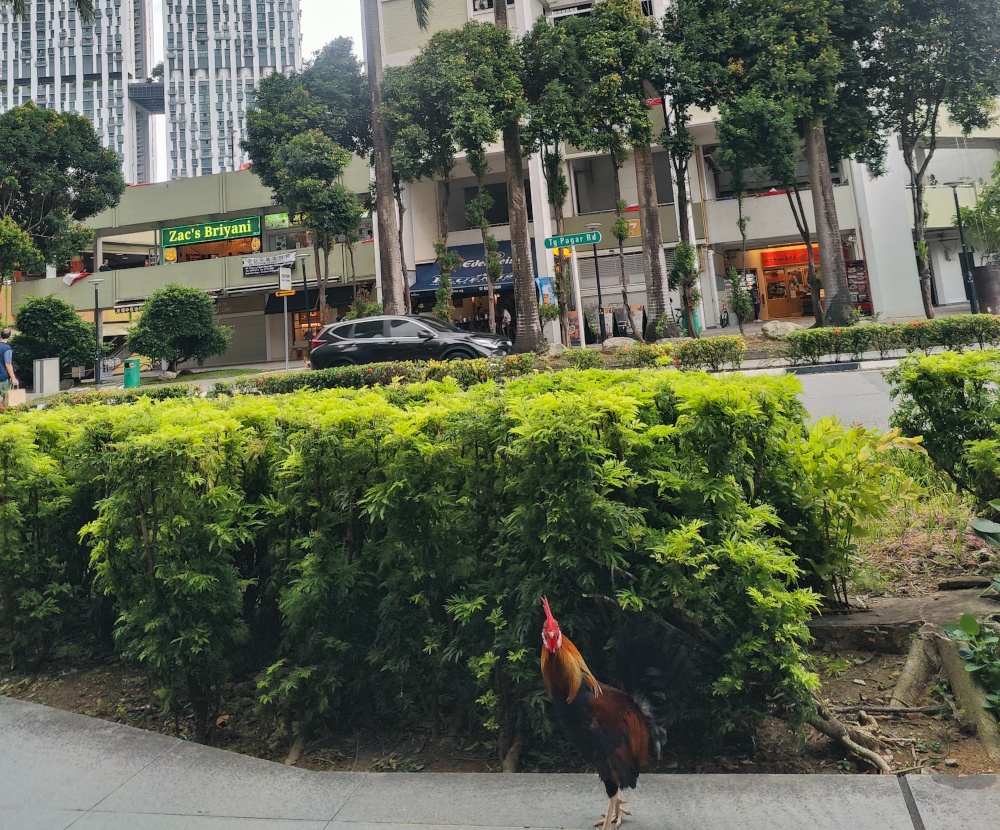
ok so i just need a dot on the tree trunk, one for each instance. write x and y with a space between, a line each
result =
802 223
555 184
831 255
653 263
529 328
389 255
623 278
919 231
397 192
320 282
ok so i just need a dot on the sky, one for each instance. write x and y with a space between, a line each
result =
322 21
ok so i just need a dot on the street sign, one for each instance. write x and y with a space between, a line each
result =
591 237
285 279
289 293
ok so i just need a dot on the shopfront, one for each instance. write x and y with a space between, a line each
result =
470 303
784 281
211 240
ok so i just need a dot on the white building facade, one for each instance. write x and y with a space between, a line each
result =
215 54
64 63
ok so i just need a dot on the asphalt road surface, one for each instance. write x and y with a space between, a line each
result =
854 397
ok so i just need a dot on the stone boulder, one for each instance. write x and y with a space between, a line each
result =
555 349
613 344
777 329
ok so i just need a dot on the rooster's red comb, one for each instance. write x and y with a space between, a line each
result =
545 607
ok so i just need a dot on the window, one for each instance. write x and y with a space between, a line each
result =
367 329
405 328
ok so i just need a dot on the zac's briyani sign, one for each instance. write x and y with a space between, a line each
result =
210 232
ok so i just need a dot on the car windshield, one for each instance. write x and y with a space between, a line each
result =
437 323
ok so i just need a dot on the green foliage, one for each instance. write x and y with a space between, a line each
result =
386 546
163 546
641 355
54 173
17 250
980 648
715 353
50 327
982 222
739 297
952 400
178 324
584 358
448 261
363 306
547 312
34 583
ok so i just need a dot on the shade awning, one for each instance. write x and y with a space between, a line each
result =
469 279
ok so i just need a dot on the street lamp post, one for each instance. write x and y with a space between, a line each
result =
593 226
97 334
970 289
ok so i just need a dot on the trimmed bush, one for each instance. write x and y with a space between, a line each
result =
715 353
641 355
584 358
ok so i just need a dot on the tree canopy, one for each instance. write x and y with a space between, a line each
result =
177 325
50 327
54 173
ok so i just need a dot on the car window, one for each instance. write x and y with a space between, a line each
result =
343 332
367 329
401 327
439 324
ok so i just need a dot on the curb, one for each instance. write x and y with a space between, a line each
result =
822 368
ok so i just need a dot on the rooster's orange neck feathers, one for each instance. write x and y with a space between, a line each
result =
563 668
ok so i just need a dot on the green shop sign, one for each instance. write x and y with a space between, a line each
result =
210 232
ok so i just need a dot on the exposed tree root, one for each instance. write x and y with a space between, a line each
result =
921 663
861 740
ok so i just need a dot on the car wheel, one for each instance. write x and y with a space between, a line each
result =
459 354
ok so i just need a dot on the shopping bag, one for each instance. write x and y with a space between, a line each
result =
15 397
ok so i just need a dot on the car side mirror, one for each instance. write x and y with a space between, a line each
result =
425 334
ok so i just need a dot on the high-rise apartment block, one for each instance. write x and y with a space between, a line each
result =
61 62
216 52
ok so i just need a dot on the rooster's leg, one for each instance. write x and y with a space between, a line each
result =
615 814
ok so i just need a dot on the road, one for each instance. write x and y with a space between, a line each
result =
854 397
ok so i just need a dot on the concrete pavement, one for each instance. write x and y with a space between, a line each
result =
60 770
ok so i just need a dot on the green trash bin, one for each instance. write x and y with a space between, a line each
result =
131 372
697 323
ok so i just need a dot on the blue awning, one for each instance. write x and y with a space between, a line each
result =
469 279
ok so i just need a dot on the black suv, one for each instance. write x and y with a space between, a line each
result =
379 339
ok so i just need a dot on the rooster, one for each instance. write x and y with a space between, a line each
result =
606 725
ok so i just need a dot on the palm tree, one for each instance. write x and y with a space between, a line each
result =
390 255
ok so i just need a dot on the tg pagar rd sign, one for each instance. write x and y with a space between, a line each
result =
210 232
589 238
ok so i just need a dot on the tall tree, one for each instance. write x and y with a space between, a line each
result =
554 85
803 52
54 173
927 60
755 132
299 132
697 38
617 49
529 328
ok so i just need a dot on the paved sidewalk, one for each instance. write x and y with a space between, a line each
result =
59 770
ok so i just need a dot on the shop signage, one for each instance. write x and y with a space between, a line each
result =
787 256
259 265
210 232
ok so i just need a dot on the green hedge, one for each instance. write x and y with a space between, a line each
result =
852 342
953 401
340 544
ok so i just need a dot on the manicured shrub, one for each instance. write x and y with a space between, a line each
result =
584 358
953 401
337 543
641 355
715 353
